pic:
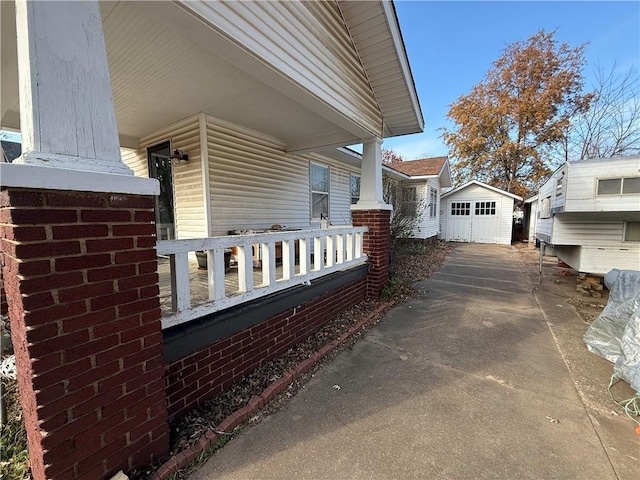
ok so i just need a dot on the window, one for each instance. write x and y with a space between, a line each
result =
630 185
409 194
486 208
409 205
461 208
559 186
319 191
617 186
632 231
433 202
545 207
355 188
160 167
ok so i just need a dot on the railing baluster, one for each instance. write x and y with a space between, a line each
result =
245 268
318 253
180 294
359 240
288 259
331 251
268 263
340 248
215 274
349 247
304 253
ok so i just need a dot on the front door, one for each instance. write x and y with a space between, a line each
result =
160 167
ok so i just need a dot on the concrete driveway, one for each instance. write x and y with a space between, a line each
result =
466 381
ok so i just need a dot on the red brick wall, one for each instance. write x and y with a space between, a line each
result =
376 246
211 370
3 298
80 275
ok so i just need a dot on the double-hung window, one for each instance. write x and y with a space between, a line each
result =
355 188
433 202
319 182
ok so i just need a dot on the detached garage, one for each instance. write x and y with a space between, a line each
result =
477 212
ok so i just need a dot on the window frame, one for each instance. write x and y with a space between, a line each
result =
313 192
460 209
625 231
485 208
354 197
433 202
621 187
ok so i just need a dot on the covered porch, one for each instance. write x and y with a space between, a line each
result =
238 114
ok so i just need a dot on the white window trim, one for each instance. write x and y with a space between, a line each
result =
433 202
318 192
351 195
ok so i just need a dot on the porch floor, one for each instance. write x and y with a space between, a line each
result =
198 284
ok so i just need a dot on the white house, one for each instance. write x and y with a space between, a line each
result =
229 118
422 183
477 212
589 210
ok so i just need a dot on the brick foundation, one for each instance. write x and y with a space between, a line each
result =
208 372
376 246
80 276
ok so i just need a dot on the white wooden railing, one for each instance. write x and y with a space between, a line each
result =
339 247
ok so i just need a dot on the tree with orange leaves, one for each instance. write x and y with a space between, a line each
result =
521 109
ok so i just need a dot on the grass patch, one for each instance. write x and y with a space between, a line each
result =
13 438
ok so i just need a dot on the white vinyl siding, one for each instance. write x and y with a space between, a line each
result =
586 231
254 183
187 176
310 45
136 160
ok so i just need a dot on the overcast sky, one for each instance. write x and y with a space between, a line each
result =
452 44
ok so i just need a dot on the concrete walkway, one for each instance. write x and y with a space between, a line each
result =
466 381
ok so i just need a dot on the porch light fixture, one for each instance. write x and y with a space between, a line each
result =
179 156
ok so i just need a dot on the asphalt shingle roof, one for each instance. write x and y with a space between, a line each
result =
421 167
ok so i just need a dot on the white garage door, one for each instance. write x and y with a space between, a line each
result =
474 221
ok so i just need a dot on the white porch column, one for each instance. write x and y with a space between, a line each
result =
371 178
67 117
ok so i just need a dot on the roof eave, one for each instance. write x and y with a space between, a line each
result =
398 42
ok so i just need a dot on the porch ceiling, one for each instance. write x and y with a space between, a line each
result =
164 67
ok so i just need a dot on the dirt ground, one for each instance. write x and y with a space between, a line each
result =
567 279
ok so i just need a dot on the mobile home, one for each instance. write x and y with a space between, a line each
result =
589 210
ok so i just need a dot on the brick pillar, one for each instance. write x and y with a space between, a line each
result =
3 298
376 246
80 275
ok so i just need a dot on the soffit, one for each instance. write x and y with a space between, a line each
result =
374 28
